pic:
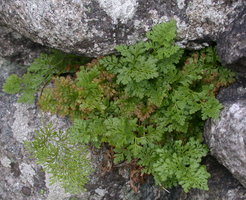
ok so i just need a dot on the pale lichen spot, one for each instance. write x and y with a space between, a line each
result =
181 4
55 190
27 173
20 127
5 161
122 10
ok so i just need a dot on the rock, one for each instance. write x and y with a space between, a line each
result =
16 168
5 162
111 186
233 93
222 186
55 190
19 173
226 136
18 48
232 43
94 27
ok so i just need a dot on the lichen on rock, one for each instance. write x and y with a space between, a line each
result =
94 28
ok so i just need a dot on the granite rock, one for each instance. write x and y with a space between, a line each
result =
93 28
18 171
232 43
18 48
226 136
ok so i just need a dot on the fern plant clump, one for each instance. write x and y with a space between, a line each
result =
40 73
66 162
148 103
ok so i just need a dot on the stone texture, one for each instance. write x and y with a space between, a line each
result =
21 178
234 92
16 47
232 43
94 27
226 136
16 169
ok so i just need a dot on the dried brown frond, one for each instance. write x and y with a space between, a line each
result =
143 112
136 177
107 162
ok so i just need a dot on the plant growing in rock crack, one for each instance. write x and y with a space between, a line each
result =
40 73
148 103
66 162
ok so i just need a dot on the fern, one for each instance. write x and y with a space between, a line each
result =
148 103
143 67
12 84
65 161
69 97
178 163
145 102
40 73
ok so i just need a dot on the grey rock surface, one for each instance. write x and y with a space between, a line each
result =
94 27
22 179
226 136
16 47
234 92
232 43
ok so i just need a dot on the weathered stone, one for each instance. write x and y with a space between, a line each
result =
234 92
16 169
226 136
94 27
16 47
232 43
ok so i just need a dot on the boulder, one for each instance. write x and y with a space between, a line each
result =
16 47
226 136
232 43
95 27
